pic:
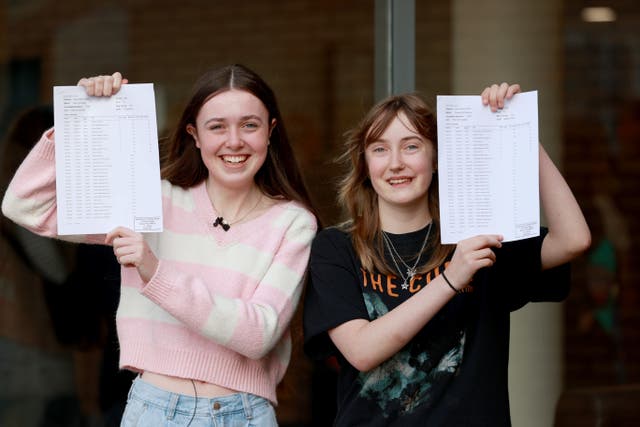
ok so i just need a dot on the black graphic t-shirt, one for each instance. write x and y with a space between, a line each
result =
454 372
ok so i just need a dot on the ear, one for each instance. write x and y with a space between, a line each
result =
272 126
191 130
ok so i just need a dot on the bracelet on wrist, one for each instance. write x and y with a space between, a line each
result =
453 288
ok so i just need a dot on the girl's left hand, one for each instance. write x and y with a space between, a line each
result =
132 250
495 95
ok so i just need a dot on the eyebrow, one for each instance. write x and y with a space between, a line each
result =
242 119
405 139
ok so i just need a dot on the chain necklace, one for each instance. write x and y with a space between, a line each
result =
411 271
220 221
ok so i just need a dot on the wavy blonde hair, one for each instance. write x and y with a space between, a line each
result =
355 191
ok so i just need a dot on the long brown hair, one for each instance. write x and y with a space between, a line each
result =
280 174
356 194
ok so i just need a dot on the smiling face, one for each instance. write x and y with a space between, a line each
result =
232 132
400 164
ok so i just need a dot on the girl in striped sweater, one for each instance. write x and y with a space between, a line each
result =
205 304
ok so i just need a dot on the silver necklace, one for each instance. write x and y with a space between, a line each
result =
411 271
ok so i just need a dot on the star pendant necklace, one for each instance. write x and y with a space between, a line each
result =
411 271
224 224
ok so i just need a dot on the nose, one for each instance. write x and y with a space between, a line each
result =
234 140
395 161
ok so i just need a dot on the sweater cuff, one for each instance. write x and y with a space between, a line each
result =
46 147
160 287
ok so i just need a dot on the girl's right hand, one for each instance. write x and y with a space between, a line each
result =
103 85
471 255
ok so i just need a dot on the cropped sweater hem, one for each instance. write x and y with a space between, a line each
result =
243 375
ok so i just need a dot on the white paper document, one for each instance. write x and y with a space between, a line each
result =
488 167
107 161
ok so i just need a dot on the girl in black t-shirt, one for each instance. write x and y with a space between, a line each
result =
420 329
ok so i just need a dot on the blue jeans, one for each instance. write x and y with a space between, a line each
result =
149 406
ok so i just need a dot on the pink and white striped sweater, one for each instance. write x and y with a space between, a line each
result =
218 307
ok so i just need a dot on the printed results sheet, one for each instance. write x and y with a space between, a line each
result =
107 160
488 167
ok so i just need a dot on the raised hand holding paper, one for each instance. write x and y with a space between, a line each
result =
107 161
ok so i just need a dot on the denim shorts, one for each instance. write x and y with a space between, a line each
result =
150 406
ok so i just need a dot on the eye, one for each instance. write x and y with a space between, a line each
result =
215 126
251 125
412 146
377 148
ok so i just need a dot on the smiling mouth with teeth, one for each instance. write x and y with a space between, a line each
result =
399 181
234 159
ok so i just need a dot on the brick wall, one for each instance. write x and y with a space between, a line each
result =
602 165
318 58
